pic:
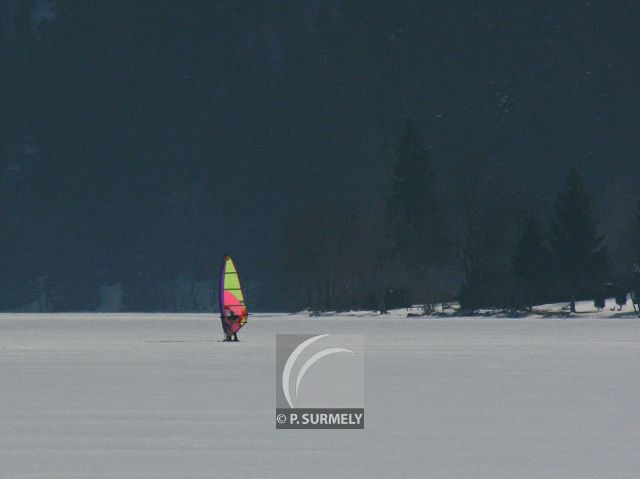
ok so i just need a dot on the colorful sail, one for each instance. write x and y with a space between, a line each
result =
233 310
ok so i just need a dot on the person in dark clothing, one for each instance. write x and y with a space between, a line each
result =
231 317
225 328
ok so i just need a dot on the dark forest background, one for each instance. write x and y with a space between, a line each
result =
346 153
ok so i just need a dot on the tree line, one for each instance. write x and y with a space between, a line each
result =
129 131
105 171
472 237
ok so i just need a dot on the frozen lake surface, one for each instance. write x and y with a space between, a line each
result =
132 396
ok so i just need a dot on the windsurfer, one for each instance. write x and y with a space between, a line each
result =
231 317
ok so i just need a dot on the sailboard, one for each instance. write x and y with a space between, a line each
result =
233 310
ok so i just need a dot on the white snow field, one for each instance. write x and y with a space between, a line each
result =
157 396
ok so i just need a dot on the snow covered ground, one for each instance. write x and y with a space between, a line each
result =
153 396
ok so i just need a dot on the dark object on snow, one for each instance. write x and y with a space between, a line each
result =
621 299
635 301
599 302
619 290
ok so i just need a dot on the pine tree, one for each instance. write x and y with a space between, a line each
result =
599 301
489 214
413 213
529 264
636 240
579 251
635 267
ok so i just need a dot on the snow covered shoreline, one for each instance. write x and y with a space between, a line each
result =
585 309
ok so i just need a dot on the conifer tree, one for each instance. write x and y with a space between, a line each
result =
413 213
636 240
529 264
580 256
635 267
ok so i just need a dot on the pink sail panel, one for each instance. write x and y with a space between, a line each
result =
232 304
